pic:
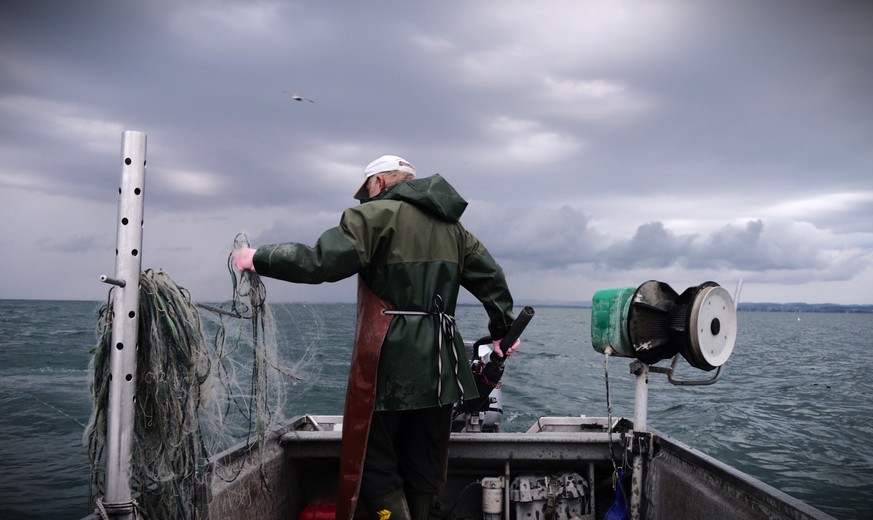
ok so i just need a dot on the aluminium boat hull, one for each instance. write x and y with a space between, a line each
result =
299 470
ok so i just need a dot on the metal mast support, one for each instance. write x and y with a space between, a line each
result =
118 502
641 440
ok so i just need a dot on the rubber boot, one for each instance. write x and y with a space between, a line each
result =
389 507
419 506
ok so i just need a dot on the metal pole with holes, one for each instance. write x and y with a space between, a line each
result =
641 440
118 502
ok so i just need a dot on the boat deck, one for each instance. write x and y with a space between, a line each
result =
301 462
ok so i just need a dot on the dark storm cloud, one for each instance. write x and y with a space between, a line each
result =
595 140
652 246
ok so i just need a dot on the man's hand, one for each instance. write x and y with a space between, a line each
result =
243 259
513 348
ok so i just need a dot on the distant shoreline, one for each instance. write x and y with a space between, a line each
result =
805 307
750 307
744 306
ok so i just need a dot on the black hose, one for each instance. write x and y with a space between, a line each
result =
514 332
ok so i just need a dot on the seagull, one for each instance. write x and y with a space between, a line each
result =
297 97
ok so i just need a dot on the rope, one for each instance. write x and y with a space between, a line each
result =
612 457
100 508
616 472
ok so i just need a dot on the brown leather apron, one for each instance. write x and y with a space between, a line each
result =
370 330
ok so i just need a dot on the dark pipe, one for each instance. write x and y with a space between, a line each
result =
515 330
493 370
488 376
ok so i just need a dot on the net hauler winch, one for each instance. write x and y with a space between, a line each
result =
652 322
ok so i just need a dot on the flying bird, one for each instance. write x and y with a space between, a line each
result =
297 97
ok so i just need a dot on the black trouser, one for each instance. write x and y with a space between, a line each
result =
404 451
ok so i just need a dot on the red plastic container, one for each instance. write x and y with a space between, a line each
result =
321 508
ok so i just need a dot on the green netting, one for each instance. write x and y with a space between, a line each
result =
204 382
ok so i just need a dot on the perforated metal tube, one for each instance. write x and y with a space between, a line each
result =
125 320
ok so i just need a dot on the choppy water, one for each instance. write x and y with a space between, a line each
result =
794 407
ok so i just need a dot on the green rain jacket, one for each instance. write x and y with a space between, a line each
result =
410 249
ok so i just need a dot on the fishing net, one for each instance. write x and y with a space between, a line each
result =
205 381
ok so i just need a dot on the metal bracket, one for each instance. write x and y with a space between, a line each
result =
112 281
636 368
640 443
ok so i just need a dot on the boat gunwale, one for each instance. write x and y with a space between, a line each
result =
734 476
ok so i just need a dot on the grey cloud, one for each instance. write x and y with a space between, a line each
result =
652 246
542 237
76 244
536 113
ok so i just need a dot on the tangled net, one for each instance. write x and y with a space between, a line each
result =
194 397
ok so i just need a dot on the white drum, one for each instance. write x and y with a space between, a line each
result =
713 328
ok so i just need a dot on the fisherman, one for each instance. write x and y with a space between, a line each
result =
409 364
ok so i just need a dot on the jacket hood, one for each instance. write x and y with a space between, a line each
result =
433 194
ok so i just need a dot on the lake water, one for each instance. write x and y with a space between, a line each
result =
794 407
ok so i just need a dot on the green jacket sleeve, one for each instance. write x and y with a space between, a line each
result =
332 258
484 278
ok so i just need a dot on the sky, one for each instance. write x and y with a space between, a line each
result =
600 144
